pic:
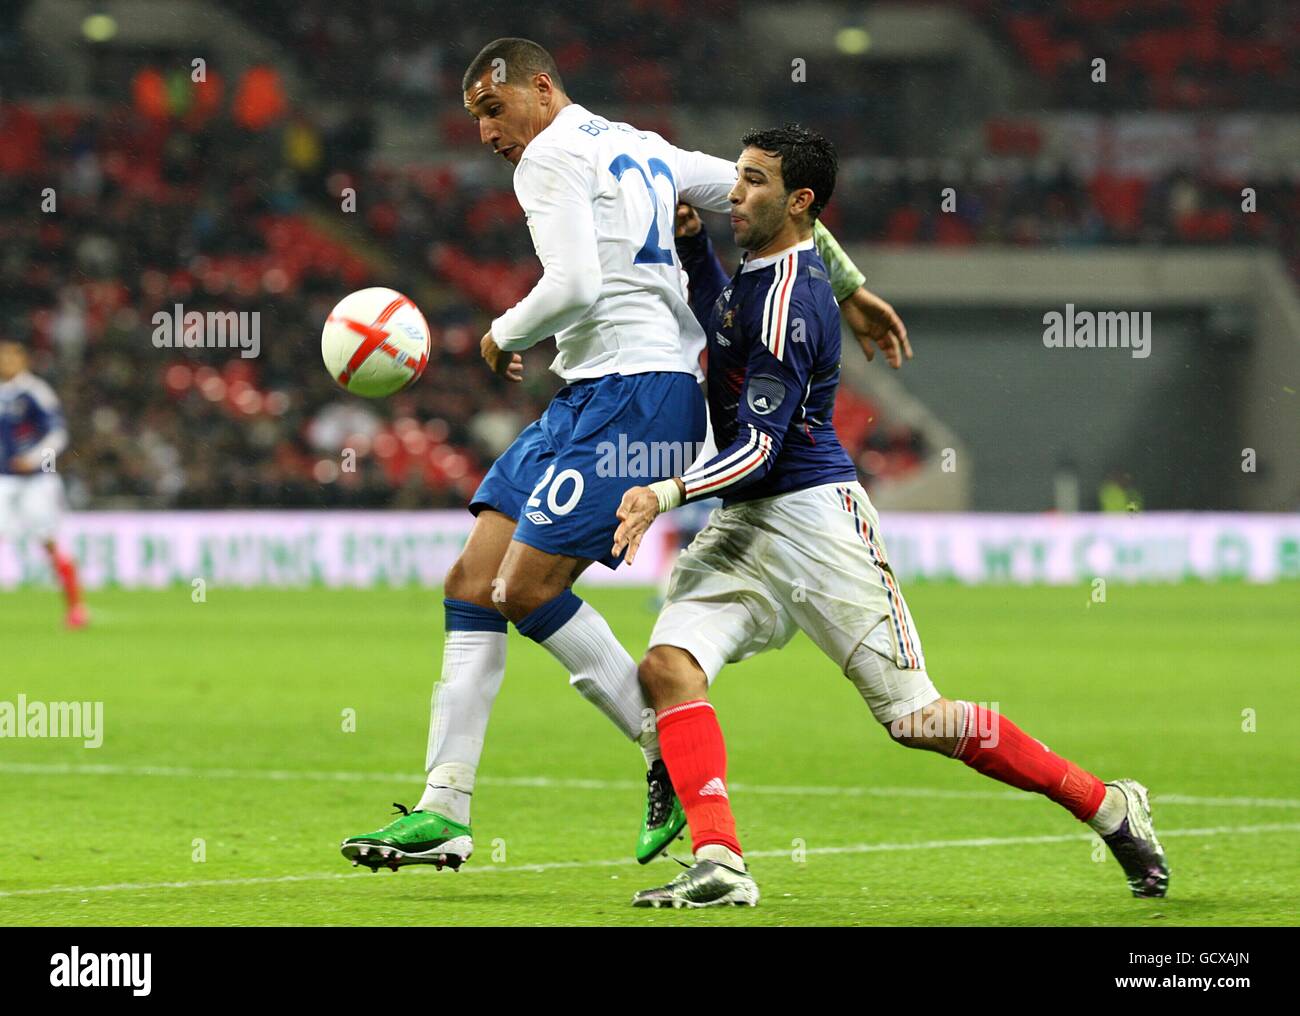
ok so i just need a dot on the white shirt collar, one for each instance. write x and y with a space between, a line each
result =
572 109
754 264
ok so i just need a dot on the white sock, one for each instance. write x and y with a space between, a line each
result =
473 666
603 672
1114 806
449 803
720 854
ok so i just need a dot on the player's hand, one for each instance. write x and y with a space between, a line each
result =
640 507
508 365
875 323
688 221
23 466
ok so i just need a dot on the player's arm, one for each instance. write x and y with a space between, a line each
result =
776 378
872 321
557 202
704 181
53 439
695 249
845 276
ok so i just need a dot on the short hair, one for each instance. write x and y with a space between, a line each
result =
522 59
807 160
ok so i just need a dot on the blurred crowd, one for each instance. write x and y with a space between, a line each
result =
1159 54
223 195
145 218
1027 203
647 51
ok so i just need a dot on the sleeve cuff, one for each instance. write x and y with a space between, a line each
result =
692 244
507 342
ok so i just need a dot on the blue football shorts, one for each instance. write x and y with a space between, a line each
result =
564 476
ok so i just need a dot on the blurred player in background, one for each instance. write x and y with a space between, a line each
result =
32 435
797 543
600 201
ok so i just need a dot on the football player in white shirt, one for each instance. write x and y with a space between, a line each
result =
600 199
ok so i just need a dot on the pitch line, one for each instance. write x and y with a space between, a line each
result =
566 783
626 862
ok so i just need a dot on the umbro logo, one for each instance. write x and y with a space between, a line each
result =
538 518
714 788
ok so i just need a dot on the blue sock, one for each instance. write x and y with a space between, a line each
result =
550 617
462 615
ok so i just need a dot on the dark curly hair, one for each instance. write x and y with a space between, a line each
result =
807 160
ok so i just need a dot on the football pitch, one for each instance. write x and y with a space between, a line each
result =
243 737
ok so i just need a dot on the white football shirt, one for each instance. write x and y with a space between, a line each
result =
601 199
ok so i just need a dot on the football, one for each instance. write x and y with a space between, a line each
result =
375 342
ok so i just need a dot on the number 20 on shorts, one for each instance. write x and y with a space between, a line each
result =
554 489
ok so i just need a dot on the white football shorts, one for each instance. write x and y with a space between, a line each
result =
811 560
31 505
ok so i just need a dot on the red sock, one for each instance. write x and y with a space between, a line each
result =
696 756
993 745
66 570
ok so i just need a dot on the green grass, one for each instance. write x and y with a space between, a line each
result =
243 698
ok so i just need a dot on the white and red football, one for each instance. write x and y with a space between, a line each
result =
375 342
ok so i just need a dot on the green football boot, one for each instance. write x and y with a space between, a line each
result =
664 818
415 837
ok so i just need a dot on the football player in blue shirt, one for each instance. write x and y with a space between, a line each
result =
32 435
796 543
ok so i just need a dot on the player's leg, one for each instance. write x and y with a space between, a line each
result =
715 613
473 667
567 520
1119 812
693 748
474 660
534 590
696 755
437 831
65 569
40 510
887 666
